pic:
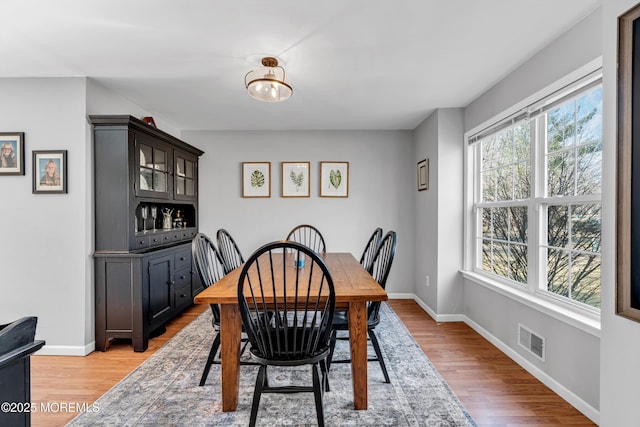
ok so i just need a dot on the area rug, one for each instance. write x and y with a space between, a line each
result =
164 390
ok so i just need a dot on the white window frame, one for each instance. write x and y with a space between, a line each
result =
533 293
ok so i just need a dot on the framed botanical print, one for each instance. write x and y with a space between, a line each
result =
256 179
295 179
11 153
334 179
50 171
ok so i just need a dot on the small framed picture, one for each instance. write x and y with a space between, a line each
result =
295 179
256 179
50 171
423 175
11 153
334 179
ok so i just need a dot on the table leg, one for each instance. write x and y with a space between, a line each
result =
358 340
230 334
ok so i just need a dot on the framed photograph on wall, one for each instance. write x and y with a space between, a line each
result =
256 179
423 175
50 171
628 194
295 179
334 179
11 153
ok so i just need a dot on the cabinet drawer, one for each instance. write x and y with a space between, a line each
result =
188 233
142 242
166 237
183 260
182 297
183 278
155 240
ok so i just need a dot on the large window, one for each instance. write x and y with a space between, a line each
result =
537 201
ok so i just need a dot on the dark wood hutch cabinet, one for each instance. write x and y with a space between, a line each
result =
144 273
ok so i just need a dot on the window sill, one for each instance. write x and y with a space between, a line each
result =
587 322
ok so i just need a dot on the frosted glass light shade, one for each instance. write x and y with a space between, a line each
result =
267 83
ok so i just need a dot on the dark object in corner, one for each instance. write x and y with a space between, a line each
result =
16 347
149 120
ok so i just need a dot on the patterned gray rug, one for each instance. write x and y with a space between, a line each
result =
164 390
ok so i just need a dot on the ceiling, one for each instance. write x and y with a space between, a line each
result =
353 64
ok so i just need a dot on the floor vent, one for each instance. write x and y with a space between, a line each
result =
531 341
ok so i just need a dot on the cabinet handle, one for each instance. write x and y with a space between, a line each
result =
183 277
183 295
182 258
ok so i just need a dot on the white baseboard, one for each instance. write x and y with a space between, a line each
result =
64 350
401 296
438 317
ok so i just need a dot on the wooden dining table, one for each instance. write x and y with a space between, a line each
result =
354 287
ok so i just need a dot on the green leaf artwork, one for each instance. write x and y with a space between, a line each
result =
297 179
257 179
335 177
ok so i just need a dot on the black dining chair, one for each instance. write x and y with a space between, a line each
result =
309 236
229 252
210 268
379 269
286 313
370 249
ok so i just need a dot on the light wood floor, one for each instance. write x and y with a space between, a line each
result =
494 389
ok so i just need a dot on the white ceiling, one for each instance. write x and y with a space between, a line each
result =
353 64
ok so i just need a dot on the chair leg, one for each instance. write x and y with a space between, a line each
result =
325 374
332 346
210 359
376 348
257 392
317 392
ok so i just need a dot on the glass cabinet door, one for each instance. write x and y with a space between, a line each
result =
185 176
153 170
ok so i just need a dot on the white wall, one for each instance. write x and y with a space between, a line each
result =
426 225
439 214
45 250
449 170
103 101
573 355
381 187
620 342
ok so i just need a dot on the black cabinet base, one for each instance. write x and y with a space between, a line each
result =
138 293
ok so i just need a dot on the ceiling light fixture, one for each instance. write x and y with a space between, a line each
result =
267 83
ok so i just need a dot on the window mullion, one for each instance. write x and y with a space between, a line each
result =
536 267
477 197
540 210
569 249
575 149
